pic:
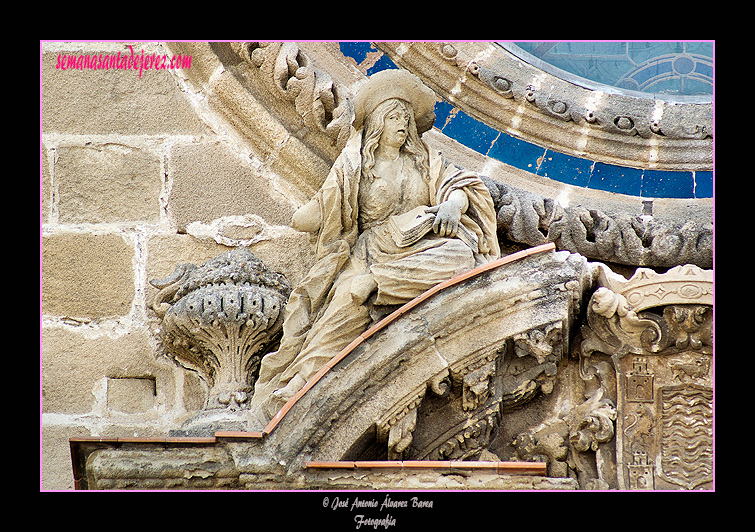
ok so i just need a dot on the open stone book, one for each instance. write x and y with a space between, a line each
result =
409 227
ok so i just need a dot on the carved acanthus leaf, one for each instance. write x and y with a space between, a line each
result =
592 422
532 219
543 344
616 329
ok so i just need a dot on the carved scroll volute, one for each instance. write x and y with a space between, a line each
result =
617 329
618 324
218 318
323 104
400 435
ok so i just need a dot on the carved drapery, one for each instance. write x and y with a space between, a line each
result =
646 418
502 91
313 105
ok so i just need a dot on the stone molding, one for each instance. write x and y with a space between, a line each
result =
511 95
323 105
212 463
599 233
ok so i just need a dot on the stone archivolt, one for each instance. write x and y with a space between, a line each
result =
513 95
322 104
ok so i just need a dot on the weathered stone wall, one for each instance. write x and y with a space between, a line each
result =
128 164
143 171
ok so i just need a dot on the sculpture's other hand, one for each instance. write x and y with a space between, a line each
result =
447 218
448 214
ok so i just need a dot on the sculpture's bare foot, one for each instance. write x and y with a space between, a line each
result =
362 286
293 386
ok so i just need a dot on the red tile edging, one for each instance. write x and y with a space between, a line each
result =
501 468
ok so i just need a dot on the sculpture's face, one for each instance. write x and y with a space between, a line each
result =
396 128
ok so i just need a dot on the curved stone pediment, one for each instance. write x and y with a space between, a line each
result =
454 350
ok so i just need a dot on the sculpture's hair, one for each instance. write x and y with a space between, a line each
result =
413 145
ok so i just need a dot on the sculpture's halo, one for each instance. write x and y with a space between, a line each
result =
401 84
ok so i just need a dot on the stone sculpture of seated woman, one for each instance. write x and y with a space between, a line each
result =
384 171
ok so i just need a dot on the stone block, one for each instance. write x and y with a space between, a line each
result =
45 186
56 468
131 394
194 392
83 374
210 181
87 275
107 183
113 101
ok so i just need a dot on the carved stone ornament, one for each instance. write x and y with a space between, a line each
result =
511 94
456 412
498 88
217 319
597 233
323 105
545 358
658 331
